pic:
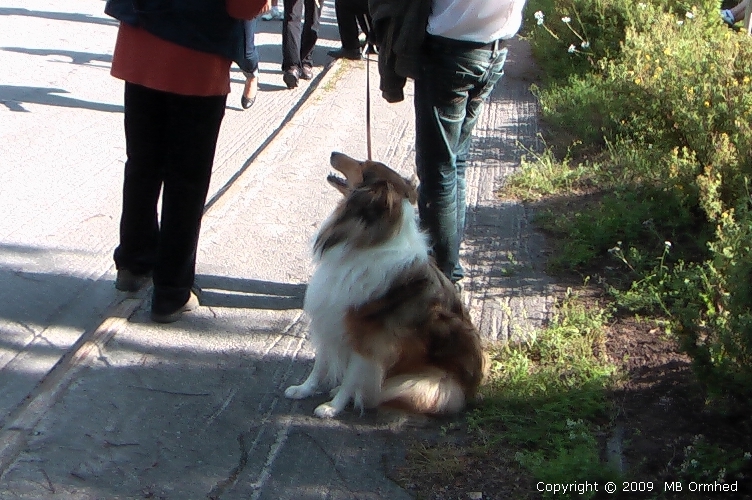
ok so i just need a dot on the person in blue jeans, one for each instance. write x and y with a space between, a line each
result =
249 63
462 59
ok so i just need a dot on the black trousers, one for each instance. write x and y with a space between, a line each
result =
170 143
350 14
299 39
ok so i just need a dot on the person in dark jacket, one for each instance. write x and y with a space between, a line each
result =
350 15
463 59
398 30
176 66
299 37
454 50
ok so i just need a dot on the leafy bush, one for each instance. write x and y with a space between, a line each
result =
664 90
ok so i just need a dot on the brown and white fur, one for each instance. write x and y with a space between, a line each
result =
388 328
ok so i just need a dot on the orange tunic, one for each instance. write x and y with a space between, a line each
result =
145 59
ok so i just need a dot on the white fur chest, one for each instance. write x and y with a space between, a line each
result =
346 277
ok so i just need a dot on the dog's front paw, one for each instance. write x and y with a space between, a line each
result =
326 410
298 392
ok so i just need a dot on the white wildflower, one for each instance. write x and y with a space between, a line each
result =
642 5
679 22
571 49
747 455
690 15
585 44
539 17
722 475
667 244
566 19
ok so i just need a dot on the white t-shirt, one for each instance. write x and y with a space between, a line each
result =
476 20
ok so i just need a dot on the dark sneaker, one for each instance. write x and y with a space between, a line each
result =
126 281
291 77
190 305
353 54
306 72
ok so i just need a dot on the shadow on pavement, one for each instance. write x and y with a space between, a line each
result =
58 16
225 291
13 97
172 416
75 57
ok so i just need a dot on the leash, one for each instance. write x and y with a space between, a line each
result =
368 48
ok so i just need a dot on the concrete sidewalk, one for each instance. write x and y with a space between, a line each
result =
98 402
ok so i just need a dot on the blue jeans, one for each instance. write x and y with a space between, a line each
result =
455 78
250 62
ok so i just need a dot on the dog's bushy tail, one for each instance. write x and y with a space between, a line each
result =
433 391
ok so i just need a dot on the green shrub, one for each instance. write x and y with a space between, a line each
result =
663 89
683 83
570 37
710 304
643 217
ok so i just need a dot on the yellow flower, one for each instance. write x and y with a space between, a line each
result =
706 104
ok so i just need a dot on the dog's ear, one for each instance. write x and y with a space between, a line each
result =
377 202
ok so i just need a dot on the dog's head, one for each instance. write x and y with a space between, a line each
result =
369 176
372 210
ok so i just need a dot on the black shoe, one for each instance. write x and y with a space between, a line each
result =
352 54
191 304
126 281
251 86
291 77
306 72
246 102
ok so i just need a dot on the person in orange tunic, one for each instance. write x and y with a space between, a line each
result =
175 62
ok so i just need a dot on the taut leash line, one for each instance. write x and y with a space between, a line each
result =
368 104
368 48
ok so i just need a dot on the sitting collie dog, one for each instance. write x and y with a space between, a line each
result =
388 328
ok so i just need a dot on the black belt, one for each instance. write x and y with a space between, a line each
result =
465 44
